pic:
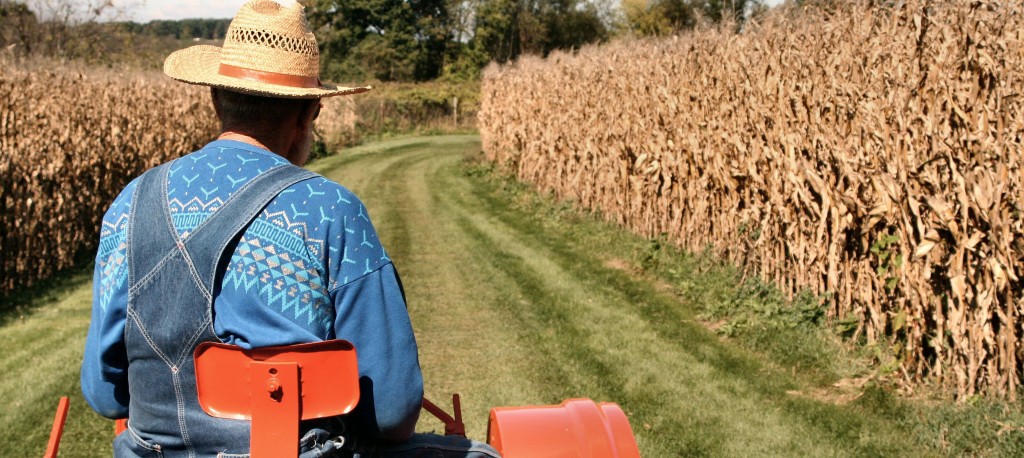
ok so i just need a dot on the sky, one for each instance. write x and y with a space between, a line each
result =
148 10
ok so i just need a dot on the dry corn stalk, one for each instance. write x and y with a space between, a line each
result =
70 140
870 153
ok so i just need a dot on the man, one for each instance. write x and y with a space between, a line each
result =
234 243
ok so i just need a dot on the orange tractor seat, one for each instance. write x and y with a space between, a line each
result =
284 385
321 379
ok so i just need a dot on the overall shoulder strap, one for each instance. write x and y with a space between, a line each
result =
152 237
206 244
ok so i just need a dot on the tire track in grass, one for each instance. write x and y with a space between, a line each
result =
544 307
600 350
847 429
461 348
743 387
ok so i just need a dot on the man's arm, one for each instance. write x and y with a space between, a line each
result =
105 364
371 313
104 376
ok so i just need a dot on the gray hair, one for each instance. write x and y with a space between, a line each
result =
238 109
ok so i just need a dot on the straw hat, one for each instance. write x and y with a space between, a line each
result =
268 51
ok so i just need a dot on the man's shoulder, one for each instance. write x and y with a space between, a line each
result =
117 212
317 208
322 190
328 225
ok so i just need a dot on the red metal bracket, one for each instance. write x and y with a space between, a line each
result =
275 411
452 426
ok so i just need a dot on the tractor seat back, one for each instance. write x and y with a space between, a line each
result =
275 387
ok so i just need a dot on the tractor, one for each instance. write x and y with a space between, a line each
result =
276 387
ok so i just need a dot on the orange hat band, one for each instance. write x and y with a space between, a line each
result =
280 79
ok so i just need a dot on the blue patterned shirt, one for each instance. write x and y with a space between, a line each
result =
308 268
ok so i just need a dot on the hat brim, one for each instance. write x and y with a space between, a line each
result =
200 64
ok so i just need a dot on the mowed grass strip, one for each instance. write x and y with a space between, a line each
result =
464 347
624 340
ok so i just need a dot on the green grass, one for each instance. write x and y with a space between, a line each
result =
517 299
43 341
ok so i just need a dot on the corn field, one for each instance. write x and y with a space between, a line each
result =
72 136
870 155
70 140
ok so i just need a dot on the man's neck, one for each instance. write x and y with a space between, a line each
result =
228 135
280 143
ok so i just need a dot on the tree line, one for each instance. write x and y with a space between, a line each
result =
385 40
416 40
91 30
182 29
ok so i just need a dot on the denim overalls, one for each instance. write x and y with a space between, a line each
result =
170 302
172 284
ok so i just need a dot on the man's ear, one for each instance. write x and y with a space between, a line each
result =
216 103
308 115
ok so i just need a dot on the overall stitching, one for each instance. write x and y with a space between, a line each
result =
140 441
149 340
129 235
185 353
134 286
192 270
176 380
127 327
134 289
178 242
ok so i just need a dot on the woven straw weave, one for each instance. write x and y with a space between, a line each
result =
269 38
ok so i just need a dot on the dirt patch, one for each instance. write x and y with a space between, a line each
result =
619 264
714 325
840 393
638 273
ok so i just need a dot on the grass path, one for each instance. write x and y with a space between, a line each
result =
510 307
513 309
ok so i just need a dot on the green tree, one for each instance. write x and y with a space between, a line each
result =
390 40
506 29
461 61
663 17
17 25
571 24
495 36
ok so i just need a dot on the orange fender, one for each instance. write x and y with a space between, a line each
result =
576 428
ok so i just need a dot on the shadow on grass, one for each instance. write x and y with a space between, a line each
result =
25 300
